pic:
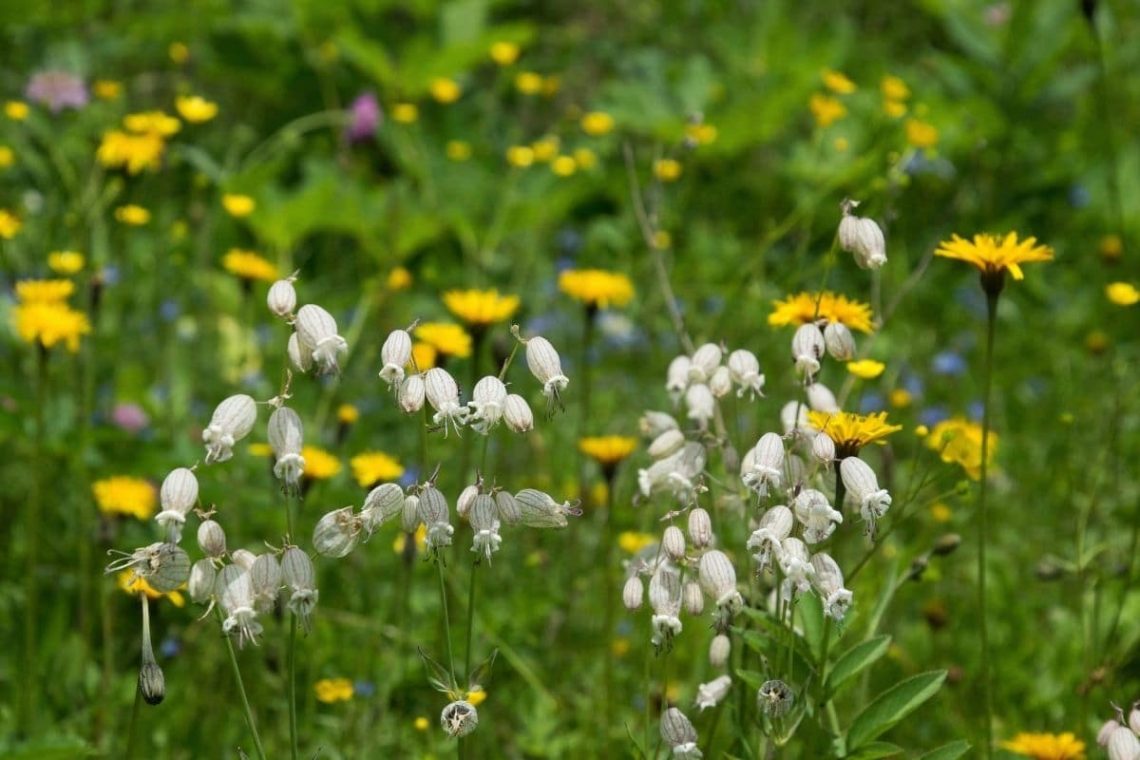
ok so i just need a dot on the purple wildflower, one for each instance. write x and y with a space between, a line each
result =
365 116
57 90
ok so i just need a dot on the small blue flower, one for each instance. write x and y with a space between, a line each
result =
169 310
948 363
975 411
364 688
932 415
171 646
872 402
410 477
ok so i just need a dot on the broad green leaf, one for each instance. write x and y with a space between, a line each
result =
751 678
876 750
950 751
855 660
810 610
892 706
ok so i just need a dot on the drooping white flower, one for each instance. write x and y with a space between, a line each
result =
300 578
487 403
238 603
816 515
546 366
282 298
807 349
302 360
178 496
829 583
517 414
443 394
652 424
744 369
796 566
317 336
632 593
485 525
821 399
761 470
700 403
678 732
720 384
232 421
286 438
862 237
677 377
411 394
703 363
766 540
718 579
839 341
395 354
863 487
710 694
666 444
433 511
700 528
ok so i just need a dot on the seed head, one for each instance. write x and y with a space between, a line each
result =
459 719
152 683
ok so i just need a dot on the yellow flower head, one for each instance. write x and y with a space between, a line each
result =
10 224
504 53
44 291
136 216
1122 293
596 287
347 414
195 109
1064 746
920 134
133 584
7 157
896 109
607 450
480 307
237 205
667 169
826 110
894 88
477 696
701 134
941 513
50 323
993 255
445 90
520 156
178 52
597 123
959 441
331 690
852 432
421 723
866 369
900 398
423 356
446 338
545 149
374 467
107 89
319 464
585 158
133 152
248 265
401 541
259 449
152 122
837 82
632 542
16 110
528 83
405 113
399 279
65 262
123 495
564 166
803 308
458 150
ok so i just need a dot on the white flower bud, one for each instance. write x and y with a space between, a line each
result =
211 539
700 528
203 576
243 558
766 541
316 330
863 238
720 384
337 532
265 578
285 438
816 514
410 517
676 729
178 495
517 413
443 395
823 448
673 542
507 508
718 579
839 341
302 360
807 349
821 399
1123 744
667 443
395 354
744 369
545 365
539 510
700 403
703 363
692 598
653 424
459 719
232 421
633 593
761 470
434 512
677 377
382 503
411 394
829 584
282 298
710 694
863 487
487 401
719 650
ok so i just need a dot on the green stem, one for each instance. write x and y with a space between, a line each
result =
470 617
446 621
610 583
983 529
584 408
241 692
292 685
133 725
29 714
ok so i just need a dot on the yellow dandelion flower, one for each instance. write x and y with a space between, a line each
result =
445 337
959 441
260 450
133 152
922 431
249 265
372 467
480 307
504 53
585 158
458 150
405 113
837 82
401 542
545 149
423 356
1111 247
10 224
477 696
701 134
1064 746
520 156
826 110
866 369
802 308
195 109
133 584
597 123
131 214
332 690
607 450
65 262
893 88
894 108
1122 293
178 52
152 122
596 287
852 432
921 134
16 110
667 169
632 542
564 166
124 495
941 513
319 464
399 279
107 89
50 323
347 414
900 398
445 90
421 723
7 157
528 82
237 205
993 255
44 291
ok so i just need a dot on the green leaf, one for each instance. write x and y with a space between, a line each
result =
810 609
892 706
950 751
876 750
855 660
438 676
751 678
482 672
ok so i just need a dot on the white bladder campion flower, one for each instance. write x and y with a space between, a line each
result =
178 495
517 413
488 398
863 487
237 601
829 583
395 354
285 438
703 363
718 579
744 369
796 566
317 337
762 469
282 298
710 694
443 394
861 237
546 367
300 579
766 541
677 731
816 515
302 360
232 421
807 349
